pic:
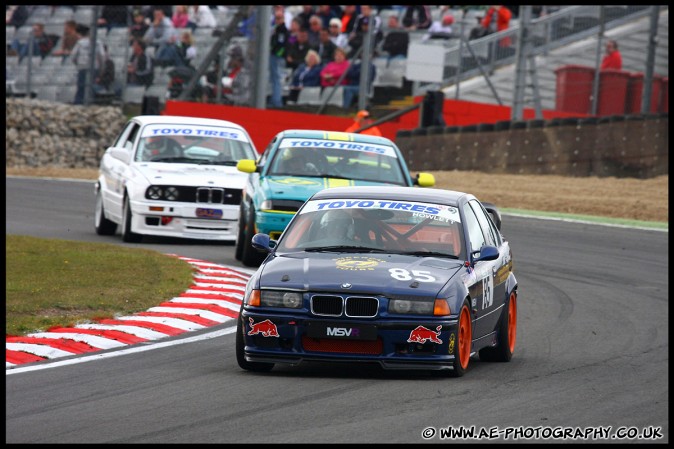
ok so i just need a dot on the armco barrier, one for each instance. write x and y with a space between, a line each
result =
605 146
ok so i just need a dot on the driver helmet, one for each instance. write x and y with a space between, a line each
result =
337 223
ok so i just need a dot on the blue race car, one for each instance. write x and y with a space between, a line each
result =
404 277
298 163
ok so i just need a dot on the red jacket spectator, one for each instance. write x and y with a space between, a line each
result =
496 19
613 59
334 69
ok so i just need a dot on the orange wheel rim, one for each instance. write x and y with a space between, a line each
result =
464 337
512 322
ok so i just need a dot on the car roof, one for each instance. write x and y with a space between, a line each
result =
185 120
336 135
439 196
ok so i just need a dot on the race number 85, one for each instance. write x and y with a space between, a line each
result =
401 274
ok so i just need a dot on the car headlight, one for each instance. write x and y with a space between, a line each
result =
154 192
438 307
266 205
277 298
162 193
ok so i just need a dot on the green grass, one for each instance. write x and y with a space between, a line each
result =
52 282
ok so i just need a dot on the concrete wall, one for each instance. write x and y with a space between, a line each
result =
619 146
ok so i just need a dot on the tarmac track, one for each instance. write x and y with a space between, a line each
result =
592 354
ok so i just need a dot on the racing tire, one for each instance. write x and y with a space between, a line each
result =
128 235
464 342
250 257
259 367
507 331
103 225
240 238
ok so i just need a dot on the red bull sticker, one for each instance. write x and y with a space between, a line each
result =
357 263
422 334
451 343
266 328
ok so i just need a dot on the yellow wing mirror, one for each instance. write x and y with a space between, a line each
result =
246 166
425 180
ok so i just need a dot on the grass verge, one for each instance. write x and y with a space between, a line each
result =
51 282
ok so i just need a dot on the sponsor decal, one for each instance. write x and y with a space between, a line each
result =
402 274
451 343
198 131
266 328
356 263
339 145
438 212
342 331
422 335
295 181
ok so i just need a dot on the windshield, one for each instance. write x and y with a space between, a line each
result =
337 159
357 225
193 144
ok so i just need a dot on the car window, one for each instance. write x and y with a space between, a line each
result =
131 138
196 144
484 223
387 226
338 159
475 235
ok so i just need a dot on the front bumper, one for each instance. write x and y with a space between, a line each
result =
272 223
395 344
186 220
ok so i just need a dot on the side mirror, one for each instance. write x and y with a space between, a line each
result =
487 252
246 166
121 154
262 242
425 180
494 213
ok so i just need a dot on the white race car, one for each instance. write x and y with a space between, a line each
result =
174 177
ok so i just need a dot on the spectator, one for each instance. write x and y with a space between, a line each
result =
209 81
139 26
307 74
180 16
17 15
238 92
612 59
358 35
140 71
187 51
349 18
333 70
295 25
162 36
113 16
364 18
42 43
279 51
104 82
68 40
441 29
200 16
315 27
81 57
336 36
396 41
497 18
326 14
352 89
298 51
326 48
305 15
363 119
417 17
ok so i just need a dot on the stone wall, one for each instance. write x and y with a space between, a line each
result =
620 146
43 133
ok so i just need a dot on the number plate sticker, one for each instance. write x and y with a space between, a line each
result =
322 329
208 213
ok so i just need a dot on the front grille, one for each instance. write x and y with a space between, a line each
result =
202 195
286 205
361 307
371 347
326 305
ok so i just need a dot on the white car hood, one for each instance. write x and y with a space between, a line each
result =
191 174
